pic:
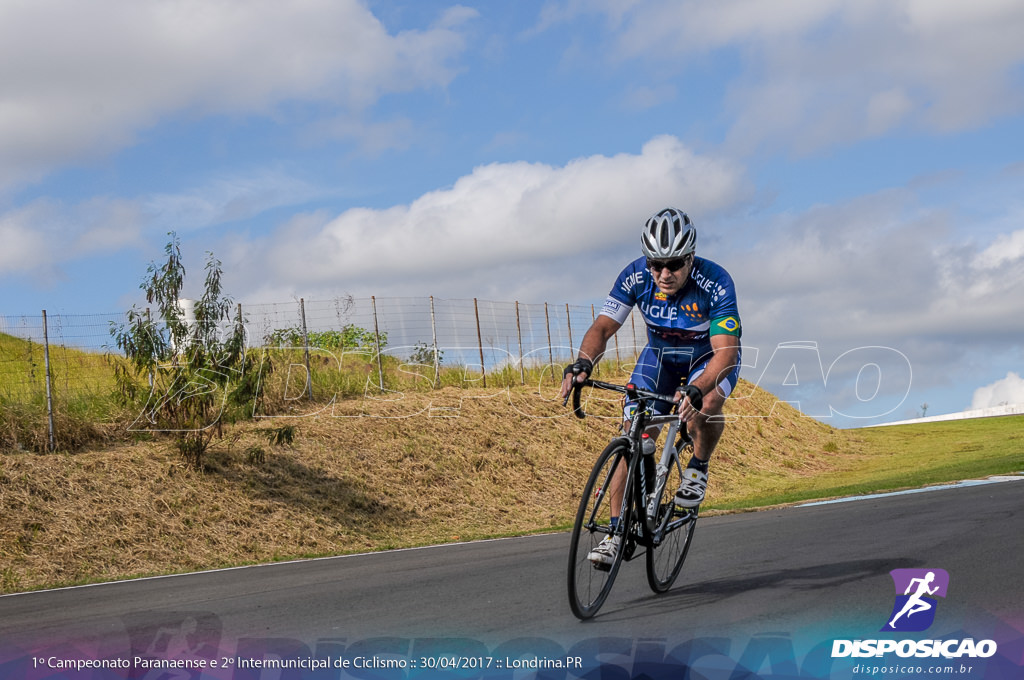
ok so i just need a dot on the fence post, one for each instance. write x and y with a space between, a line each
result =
480 341
547 324
632 321
245 337
149 329
376 334
618 361
433 333
519 333
49 393
305 349
568 324
593 319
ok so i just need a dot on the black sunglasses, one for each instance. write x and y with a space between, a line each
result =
674 264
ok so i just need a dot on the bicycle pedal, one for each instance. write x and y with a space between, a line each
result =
601 566
687 514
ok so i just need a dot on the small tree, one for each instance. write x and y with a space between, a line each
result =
190 365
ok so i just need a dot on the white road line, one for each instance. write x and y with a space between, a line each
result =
939 487
261 565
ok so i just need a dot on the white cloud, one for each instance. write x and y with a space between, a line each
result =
227 199
372 137
886 268
39 237
1007 248
83 78
522 216
1009 390
699 25
886 109
815 74
879 268
643 97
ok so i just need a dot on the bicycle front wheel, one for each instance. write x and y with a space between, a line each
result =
589 584
665 561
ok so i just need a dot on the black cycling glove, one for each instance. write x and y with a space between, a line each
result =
694 394
582 365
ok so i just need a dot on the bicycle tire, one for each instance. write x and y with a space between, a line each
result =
665 561
588 585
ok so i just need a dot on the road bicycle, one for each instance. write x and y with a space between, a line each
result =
648 518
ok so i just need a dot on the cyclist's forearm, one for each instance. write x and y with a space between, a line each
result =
593 346
719 366
595 340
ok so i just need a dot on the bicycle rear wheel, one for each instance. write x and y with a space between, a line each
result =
589 585
665 561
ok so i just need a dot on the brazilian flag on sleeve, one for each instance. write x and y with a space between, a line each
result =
725 325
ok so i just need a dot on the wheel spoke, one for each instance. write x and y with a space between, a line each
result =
589 585
665 561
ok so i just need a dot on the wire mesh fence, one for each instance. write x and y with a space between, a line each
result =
482 334
75 347
62 357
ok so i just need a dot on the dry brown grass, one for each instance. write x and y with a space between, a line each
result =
768 443
509 461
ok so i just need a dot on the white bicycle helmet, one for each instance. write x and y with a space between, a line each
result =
668 234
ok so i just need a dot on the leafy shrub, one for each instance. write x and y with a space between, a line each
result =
423 353
188 369
350 337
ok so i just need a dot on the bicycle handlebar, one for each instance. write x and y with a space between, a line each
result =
630 390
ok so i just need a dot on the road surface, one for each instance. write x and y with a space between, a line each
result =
798 577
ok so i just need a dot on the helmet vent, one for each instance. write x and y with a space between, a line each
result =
668 234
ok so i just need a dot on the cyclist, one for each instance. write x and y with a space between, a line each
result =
693 333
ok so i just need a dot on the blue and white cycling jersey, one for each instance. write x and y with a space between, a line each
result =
705 306
679 326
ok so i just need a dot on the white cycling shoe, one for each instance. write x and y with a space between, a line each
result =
604 552
690 493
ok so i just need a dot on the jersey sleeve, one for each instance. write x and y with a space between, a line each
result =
724 313
623 295
615 309
726 325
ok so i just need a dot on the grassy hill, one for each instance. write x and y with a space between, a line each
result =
418 468
82 386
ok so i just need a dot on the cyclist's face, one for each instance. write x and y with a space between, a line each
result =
669 280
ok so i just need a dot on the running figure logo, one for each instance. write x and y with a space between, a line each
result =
915 605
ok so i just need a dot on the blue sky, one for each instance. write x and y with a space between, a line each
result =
857 166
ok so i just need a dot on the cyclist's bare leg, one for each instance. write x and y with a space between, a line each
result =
619 478
616 491
707 427
618 482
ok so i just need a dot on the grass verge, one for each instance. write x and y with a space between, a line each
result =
416 468
904 457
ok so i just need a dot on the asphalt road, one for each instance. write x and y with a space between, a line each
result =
796 572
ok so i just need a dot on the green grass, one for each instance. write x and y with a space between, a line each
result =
507 465
82 385
906 456
84 389
23 370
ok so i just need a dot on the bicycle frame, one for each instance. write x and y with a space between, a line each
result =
669 453
641 467
644 517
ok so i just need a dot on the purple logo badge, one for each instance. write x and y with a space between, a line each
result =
915 605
